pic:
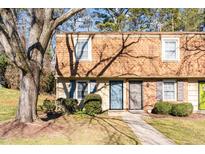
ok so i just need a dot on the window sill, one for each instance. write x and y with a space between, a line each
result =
83 60
170 61
167 100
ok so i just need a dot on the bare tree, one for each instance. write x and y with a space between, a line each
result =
29 60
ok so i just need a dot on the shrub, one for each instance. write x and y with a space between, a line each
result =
48 82
59 105
92 104
60 100
70 104
92 97
49 106
182 109
162 108
93 107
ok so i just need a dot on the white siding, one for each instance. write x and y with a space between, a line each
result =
193 93
103 91
62 89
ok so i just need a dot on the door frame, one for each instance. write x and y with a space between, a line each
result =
110 94
141 82
199 81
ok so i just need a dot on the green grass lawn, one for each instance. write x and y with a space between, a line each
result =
75 129
68 129
180 130
8 103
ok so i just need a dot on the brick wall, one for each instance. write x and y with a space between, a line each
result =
131 56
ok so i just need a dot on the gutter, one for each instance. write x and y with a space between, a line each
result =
134 77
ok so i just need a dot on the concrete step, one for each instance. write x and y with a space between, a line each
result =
122 112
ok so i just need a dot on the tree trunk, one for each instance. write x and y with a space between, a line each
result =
29 89
30 63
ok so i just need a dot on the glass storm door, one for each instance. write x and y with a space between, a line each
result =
116 95
202 95
135 95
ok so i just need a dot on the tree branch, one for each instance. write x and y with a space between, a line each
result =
48 14
58 21
11 40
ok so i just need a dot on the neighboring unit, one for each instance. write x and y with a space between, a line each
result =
132 70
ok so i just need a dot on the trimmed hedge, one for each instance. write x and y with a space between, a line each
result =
162 108
179 109
182 109
69 105
92 97
93 104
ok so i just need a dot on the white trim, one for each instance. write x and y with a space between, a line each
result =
89 47
193 93
163 49
175 87
76 89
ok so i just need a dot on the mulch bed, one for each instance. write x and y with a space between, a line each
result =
16 129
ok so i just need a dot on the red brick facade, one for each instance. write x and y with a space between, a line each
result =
117 55
129 56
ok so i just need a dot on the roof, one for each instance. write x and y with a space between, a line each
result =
132 33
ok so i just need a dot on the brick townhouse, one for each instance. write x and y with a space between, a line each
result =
132 70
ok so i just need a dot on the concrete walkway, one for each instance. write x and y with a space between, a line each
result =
145 132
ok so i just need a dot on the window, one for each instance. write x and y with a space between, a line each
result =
169 90
82 89
170 49
83 48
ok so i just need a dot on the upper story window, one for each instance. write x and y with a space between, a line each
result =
83 49
170 49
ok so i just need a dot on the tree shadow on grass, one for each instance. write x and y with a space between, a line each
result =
113 129
122 132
